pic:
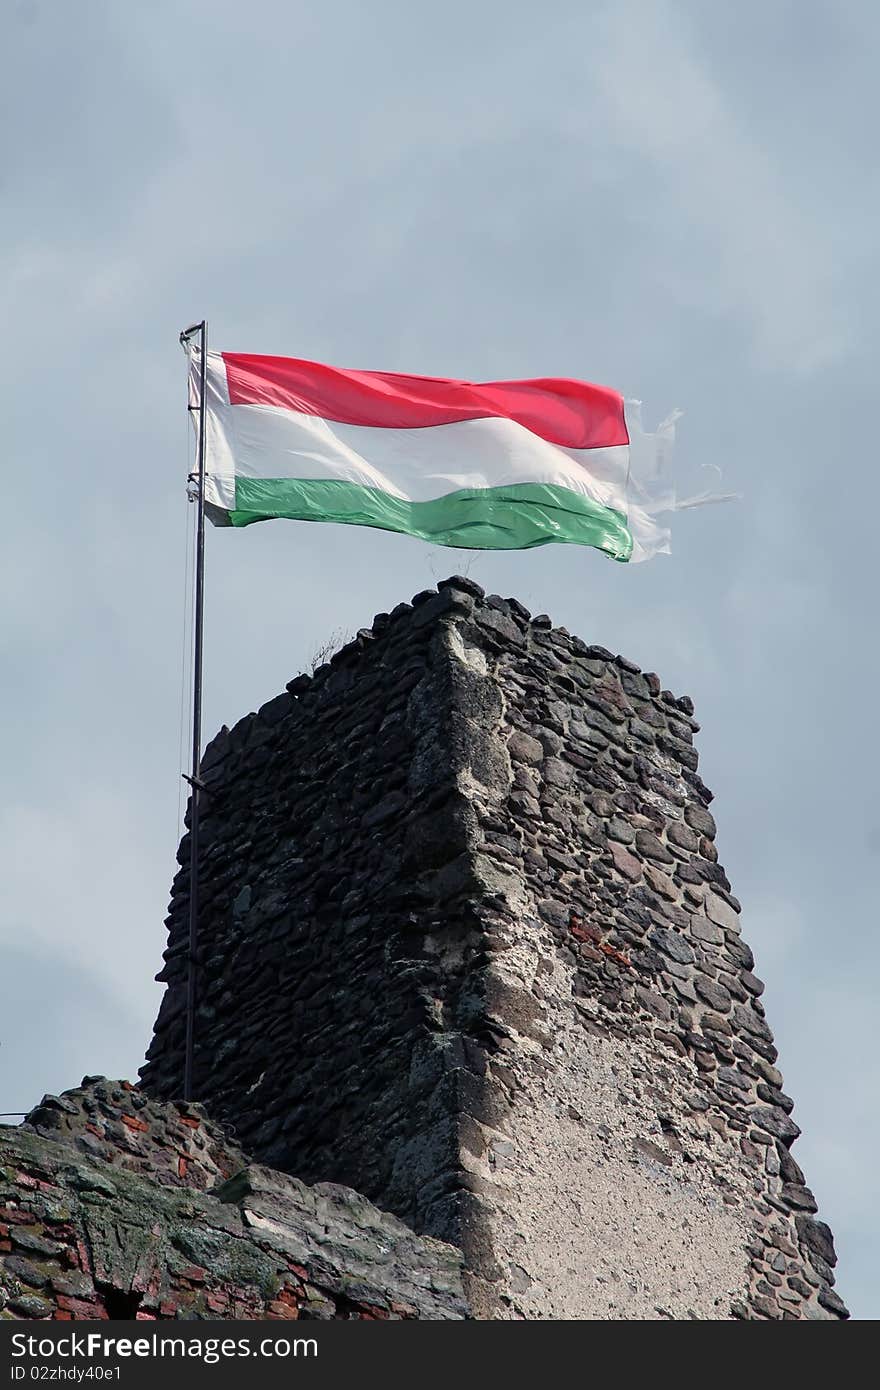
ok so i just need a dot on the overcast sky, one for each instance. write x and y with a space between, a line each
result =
679 200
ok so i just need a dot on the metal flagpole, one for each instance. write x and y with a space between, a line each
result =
194 779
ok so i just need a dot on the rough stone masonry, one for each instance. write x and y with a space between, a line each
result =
467 948
116 1206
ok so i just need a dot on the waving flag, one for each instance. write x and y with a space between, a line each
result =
493 465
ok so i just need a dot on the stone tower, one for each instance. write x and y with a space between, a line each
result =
467 948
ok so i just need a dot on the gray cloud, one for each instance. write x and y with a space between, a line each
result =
672 198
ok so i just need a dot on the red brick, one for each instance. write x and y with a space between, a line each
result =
193 1272
15 1214
403 1310
181 1167
81 1307
134 1123
60 1316
188 1120
616 955
277 1309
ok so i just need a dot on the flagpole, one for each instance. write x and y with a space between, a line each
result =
194 779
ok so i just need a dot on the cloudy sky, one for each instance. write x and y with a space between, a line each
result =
677 199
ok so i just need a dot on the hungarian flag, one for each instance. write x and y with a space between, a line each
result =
491 465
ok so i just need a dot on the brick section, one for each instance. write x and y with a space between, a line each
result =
97 1238
175 1145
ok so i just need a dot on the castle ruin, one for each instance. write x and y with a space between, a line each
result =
471 972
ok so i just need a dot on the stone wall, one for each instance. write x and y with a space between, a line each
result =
466 946
114 1206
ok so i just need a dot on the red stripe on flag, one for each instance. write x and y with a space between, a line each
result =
572 414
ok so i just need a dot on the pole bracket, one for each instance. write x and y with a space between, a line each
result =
190 332
194 782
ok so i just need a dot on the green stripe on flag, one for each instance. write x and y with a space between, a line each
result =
494 518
